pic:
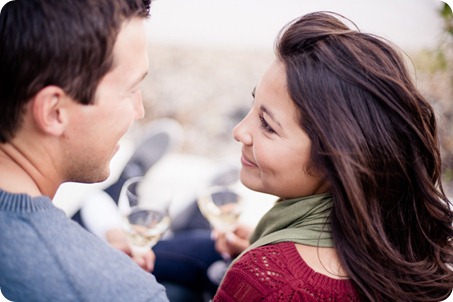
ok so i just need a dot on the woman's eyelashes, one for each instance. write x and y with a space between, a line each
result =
265 126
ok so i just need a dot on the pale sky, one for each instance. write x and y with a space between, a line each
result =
411 24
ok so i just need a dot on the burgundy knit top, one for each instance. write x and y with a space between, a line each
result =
277 273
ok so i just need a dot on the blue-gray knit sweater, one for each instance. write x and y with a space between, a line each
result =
45 256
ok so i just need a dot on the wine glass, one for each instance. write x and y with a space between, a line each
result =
145 214
221 206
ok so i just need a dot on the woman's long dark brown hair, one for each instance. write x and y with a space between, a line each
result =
374 137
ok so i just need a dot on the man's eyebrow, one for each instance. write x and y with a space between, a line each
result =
253 92
270 114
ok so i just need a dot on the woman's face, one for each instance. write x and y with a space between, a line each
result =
276 151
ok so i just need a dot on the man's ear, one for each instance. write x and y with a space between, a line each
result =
49 110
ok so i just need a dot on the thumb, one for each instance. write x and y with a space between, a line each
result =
237 244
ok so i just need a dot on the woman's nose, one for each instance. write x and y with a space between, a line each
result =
241 132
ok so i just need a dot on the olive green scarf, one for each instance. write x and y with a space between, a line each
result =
303 220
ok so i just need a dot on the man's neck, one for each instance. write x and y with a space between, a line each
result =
18 174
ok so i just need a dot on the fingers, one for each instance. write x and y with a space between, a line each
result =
231 244
244 231
117 240
221 246
151 260
237 244
145 260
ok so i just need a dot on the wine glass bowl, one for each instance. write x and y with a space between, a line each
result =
145 217
221 206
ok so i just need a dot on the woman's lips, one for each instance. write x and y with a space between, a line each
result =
246 162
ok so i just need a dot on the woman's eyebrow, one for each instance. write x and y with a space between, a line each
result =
270 114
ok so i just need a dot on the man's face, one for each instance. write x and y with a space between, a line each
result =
95 130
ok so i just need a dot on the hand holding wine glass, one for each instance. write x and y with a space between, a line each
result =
145 216
222 207
235 242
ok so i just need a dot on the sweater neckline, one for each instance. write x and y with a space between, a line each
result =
21 202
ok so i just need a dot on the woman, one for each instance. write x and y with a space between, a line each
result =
338 131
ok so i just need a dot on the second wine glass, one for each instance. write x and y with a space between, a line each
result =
221 206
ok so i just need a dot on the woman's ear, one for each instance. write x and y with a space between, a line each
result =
49 110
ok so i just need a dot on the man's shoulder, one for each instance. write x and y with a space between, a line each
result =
58 258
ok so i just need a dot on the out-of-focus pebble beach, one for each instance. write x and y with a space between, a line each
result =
203 67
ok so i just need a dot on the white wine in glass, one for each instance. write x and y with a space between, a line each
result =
221 206
145 217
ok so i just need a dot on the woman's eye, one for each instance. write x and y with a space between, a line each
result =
265 126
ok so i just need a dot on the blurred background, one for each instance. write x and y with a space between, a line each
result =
207 55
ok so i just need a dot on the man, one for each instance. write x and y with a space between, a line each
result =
70 73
